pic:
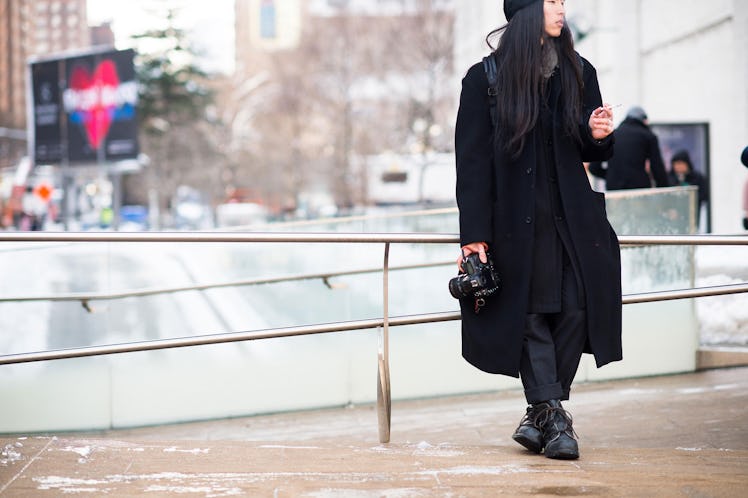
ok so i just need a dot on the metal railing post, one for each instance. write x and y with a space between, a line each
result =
384 396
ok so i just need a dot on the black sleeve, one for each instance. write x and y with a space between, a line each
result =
703 185
474 158
592 150
656 164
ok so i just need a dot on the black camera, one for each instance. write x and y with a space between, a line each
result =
478 280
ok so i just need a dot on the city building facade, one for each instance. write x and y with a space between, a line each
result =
27 30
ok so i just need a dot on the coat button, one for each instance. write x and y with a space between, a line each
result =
529 170
550 143
559 218
528 220
553 179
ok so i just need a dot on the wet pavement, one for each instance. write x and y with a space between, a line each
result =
682 435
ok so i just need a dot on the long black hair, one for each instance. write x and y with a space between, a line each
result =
521 82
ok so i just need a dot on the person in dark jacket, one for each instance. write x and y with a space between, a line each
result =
745 205
682 173
744 160
524 197
637 162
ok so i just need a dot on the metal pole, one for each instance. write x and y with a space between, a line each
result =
321 328
116 177
309 237
107 296
721 290
676 240
67 177
203 340
225 237
384 396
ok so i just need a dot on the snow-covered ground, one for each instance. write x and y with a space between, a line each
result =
723 320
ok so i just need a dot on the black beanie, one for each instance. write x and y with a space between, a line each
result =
511 7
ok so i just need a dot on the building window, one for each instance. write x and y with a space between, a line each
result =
394 177
267 19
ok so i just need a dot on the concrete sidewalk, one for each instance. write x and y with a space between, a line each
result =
684 435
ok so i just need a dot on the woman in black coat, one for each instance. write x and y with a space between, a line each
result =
524 197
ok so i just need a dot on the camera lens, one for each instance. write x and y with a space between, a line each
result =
460 287
454 289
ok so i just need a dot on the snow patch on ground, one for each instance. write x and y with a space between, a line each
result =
475 470
723 320
193 451
369 493
10 454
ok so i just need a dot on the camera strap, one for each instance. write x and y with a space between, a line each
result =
479 303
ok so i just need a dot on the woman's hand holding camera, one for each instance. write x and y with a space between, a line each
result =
475 247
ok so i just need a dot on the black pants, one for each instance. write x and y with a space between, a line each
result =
553 345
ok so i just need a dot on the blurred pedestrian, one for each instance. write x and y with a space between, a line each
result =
744 160
637 162
34 211
745 205
682 173
524 199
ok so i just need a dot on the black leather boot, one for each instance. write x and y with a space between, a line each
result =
528 434
559 438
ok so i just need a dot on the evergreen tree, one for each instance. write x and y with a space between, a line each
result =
175 132
172 86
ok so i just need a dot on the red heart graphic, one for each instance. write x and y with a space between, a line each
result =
96 102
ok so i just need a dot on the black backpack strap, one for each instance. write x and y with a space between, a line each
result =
492 73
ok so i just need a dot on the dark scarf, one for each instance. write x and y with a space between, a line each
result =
548 59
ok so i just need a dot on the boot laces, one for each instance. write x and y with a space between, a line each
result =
531 416
555 420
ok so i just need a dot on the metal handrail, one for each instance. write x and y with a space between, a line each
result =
321 237
251 335
226 237
204 340
383 387
669 295
678 240
107 296
85 298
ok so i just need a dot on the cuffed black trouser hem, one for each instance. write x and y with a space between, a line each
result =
539 394
552 347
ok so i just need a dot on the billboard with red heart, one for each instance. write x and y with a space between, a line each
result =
98 94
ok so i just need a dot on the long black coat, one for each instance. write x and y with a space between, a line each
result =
496 203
